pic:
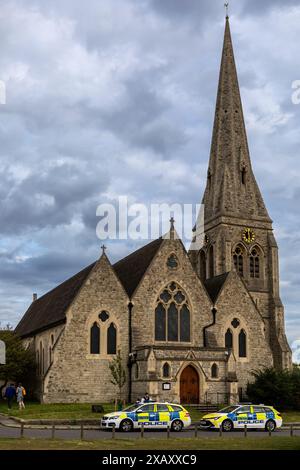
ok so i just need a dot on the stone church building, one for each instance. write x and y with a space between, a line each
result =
190 326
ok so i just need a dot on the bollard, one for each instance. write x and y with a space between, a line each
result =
113 431
196 430
142 430
81 432
292 430
220 431
53 432
168 432
245 430
22 430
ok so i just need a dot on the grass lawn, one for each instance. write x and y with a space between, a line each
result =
83 411
273 443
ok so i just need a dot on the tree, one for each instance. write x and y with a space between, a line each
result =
280 388
118 373
20 362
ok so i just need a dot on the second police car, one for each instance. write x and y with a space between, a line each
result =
237 416
151 415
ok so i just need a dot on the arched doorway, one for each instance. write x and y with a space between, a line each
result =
189 385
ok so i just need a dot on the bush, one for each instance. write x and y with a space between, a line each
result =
280 388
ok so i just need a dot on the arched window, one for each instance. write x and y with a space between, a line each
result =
238 260
38 362
160 323
211 261
95 339
50 355
254 263
214 371
242 344
228 339
172 315
112 339
202 265
41 359
166 370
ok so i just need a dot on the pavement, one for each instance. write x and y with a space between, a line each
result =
12 429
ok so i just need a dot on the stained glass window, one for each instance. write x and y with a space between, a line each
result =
95 339
172 315
112 339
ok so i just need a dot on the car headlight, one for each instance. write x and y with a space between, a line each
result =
113 417
216 419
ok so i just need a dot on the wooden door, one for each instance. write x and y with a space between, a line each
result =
189 385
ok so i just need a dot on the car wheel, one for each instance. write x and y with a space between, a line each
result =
270 425
177 425
126 425
227 425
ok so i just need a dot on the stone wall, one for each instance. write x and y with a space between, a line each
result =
76 375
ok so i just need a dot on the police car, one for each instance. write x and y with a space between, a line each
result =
151 415
237 416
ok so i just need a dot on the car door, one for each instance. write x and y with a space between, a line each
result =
146 415
243 416
259 416
163 415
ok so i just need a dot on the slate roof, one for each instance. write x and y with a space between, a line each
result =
214 285
131 269
49 310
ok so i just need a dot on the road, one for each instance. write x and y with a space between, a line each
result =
97 434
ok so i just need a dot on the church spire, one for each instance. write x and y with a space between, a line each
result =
231 188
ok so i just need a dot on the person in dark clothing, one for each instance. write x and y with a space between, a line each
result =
10 394
146 398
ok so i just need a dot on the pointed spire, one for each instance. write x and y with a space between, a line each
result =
231 186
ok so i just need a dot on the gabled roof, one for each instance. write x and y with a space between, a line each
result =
49 310
131 269
214 285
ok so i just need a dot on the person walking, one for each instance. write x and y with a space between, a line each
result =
20 396
10 394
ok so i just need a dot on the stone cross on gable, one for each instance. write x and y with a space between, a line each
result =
172 223
103 248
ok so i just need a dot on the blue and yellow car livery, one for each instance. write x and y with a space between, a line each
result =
237 416
150 415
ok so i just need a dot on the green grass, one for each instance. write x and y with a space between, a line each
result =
273 443
36 410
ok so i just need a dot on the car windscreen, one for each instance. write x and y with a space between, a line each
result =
130 408
228 409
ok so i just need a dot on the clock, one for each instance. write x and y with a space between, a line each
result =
248 235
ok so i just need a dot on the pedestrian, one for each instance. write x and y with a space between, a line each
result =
21 392
10 394
146 398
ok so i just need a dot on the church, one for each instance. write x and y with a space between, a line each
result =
192 325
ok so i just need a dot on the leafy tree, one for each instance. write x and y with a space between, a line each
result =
280 388
20 363
118 373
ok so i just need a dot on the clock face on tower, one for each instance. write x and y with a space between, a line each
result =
248 235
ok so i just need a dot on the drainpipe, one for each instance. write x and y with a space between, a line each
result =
213 311
130 356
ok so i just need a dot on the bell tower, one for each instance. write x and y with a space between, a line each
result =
237 227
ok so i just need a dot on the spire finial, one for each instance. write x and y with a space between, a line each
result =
103 248
226 5
172 222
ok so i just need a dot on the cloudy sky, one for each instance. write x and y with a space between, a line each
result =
116 97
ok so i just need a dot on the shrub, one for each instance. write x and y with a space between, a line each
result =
280 388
